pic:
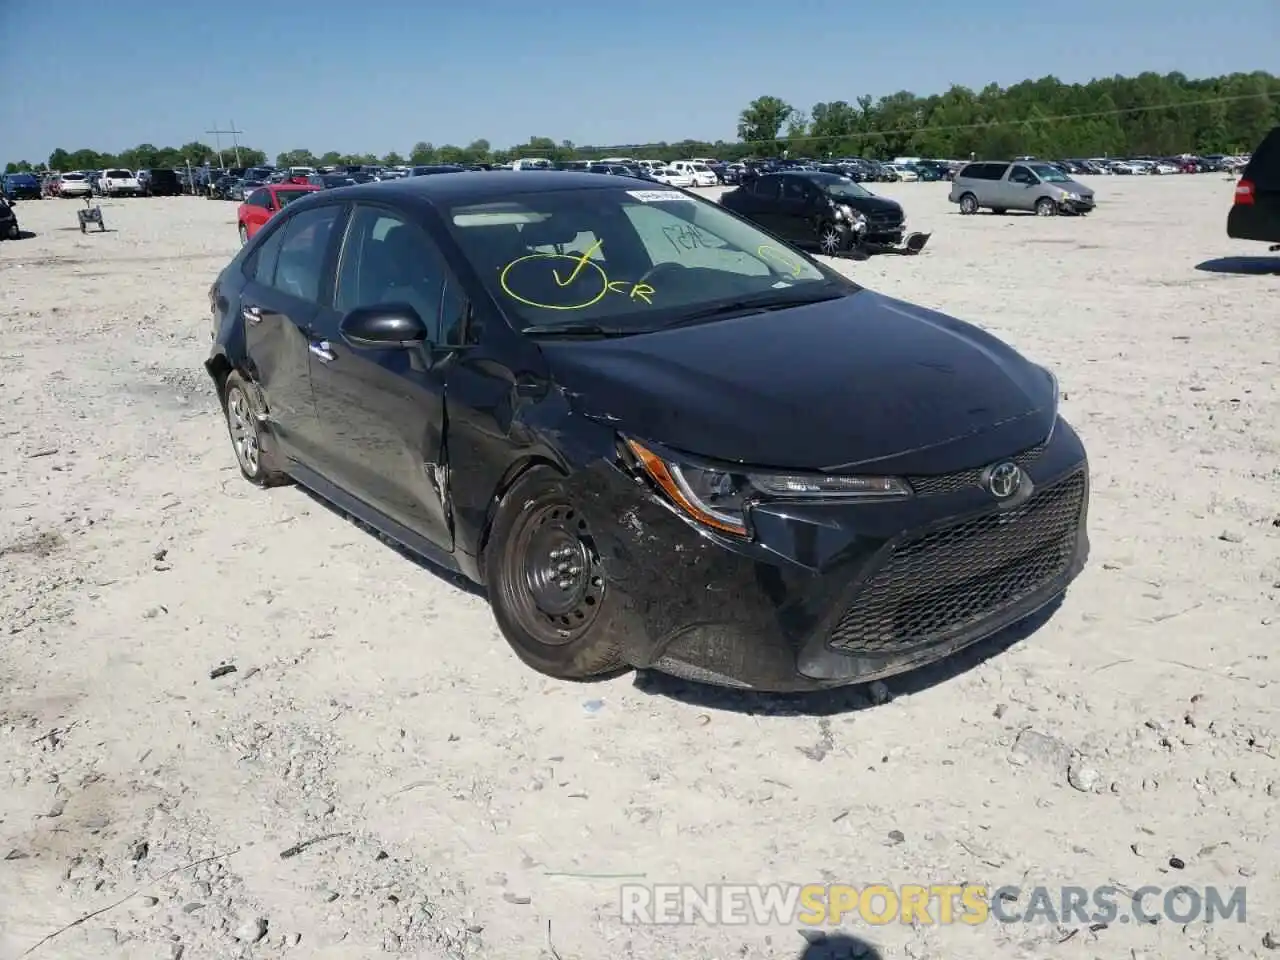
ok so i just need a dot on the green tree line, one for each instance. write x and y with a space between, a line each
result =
1149 114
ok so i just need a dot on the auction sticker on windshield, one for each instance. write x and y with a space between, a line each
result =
656 196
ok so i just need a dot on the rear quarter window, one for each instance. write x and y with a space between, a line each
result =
1264 166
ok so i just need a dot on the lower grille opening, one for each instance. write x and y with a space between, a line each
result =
937 584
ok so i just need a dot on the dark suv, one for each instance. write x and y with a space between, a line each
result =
1255 215
160 183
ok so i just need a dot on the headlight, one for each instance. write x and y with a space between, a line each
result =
721 500
1057 395
1057 392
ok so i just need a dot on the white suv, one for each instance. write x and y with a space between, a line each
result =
118 183
74 185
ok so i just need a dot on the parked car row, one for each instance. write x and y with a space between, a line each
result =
111 182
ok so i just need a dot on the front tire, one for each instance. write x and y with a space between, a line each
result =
968 204
831 241
546 583
257 462
1045 207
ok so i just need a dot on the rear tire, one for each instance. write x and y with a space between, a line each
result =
256 460
968 204
546 584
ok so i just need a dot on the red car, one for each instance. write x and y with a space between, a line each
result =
261 205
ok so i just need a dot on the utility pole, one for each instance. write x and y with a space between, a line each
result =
235 142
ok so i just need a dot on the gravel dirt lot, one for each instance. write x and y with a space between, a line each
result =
469 807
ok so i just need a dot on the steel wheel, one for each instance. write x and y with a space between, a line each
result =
830 241
553 575
244 432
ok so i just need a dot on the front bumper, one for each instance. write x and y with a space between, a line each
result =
835 593
1078 206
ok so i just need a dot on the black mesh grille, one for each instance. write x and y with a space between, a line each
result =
949 579
951 482
884 221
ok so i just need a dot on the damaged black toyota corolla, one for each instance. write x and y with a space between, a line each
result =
657 435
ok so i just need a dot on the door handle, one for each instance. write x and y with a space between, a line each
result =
252 314
321 350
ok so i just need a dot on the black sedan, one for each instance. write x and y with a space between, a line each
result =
828 211
598 398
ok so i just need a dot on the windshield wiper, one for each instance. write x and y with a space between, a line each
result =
575 330
783 300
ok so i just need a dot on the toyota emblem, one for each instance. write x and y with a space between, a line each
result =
1004 480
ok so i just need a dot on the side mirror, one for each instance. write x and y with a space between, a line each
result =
387 326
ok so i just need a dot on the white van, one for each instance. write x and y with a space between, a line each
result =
698 171
532 163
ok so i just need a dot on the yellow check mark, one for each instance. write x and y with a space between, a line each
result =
581 262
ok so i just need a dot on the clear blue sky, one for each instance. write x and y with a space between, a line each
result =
356 75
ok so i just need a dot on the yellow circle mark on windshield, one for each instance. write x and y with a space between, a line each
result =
781 258
575 276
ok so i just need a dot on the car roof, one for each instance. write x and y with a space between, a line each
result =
477 186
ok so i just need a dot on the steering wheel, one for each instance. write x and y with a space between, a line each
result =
660 269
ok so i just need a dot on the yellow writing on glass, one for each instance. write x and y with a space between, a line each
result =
585 285
584 261
781 258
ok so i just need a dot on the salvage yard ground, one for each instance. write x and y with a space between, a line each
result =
470 805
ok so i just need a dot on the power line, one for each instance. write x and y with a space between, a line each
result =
986 124
981 125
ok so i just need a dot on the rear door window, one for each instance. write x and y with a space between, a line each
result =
303 254
262 263
766 188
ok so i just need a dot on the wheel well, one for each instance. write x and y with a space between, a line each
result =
219 368
513 474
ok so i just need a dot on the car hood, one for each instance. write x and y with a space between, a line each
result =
861 383
871 205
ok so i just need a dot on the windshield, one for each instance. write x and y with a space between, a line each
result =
837 186
1049 174
630 259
